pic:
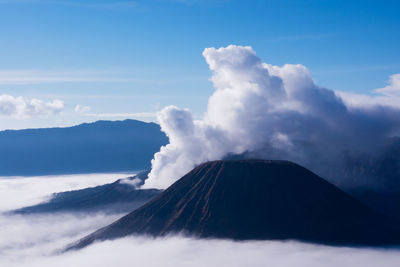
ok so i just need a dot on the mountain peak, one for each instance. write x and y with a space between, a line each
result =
255 199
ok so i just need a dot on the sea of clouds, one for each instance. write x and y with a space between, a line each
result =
24 237
19 191
274 112
36 240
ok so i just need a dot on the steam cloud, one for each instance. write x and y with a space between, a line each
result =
273 112
20 107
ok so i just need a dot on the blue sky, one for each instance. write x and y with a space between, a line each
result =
131 58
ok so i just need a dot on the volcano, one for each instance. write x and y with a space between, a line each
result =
255 200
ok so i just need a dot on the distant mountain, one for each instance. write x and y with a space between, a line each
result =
102 146
117 197
255 199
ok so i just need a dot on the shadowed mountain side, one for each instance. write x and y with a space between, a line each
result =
102 146
117 197
255 199
377 171
387 203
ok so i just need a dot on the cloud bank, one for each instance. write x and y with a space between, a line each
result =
29 236
35 240
275 113
20 107
180 251
18 192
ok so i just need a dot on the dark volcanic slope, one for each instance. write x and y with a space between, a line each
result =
387 203
255 199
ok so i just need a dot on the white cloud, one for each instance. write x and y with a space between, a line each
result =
82 109
20 107
388 96
361 101
24 237
133 182
28 236
393 89
273 112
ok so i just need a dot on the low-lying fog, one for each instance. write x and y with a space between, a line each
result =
17 191
34 240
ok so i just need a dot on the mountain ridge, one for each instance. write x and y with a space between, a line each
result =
102 146
116 197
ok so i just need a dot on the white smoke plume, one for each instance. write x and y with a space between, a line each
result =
278 112
20 107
